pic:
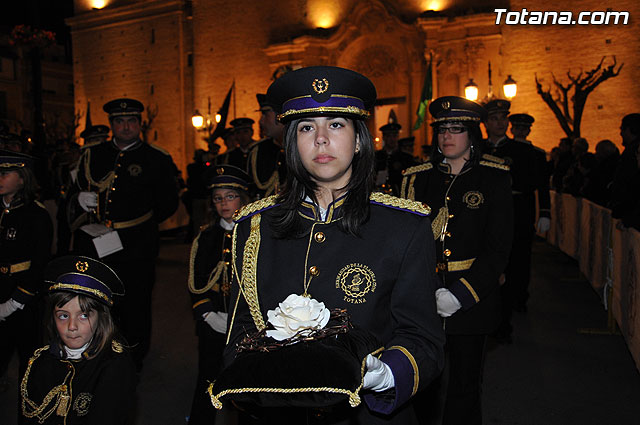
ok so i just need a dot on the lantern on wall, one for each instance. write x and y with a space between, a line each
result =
471 90
509 87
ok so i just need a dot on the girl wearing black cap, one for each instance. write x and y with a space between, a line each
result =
85 374
25 244
328 241
209 280
471 198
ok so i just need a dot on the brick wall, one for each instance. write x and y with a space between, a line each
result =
559 48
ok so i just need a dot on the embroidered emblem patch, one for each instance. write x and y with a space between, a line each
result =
82 403
82 266
134 170
356 280
320 86
446 105
11 234
473 199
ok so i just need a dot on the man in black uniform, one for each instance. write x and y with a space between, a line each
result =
389 173
243 136
526 172
266 159
126 188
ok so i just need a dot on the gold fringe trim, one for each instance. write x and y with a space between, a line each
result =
254 207
494 165
493 158
417 168
405 204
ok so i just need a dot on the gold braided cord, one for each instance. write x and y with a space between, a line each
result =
58 395
354 397
219 270
254 207
326 109
105 182
234 272
440 222
405 204
271 185
81 288
12 165
249 280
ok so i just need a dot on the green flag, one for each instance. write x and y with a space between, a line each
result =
425 98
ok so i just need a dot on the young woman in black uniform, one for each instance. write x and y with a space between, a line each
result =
329 238
470 195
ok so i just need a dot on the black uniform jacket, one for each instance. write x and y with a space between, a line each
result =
266 166
99 391
210 270
384 278
472 224
132 184
25 245
529 174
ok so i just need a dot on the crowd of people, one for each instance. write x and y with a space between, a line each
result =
300 316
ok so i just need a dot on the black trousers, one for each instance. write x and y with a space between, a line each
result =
465 354
133 311
210 347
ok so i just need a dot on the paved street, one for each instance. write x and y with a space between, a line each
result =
551 374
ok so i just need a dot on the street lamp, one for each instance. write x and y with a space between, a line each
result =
510 87
197 120
471 90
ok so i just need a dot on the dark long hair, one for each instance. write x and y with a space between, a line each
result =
29 190
105 328
475 136
287 222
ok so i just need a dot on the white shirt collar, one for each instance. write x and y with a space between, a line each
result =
226 225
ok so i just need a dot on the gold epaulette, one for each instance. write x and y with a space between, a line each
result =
417 168
494 165
158 148
254 207
492 158
408 205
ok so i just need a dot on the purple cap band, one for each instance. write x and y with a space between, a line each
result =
334 101
85 282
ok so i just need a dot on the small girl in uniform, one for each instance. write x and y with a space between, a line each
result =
209 281
85 374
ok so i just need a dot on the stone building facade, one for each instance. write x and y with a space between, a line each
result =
174 54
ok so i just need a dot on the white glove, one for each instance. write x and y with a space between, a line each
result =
544 224
217 321
378 376
88 200
446 302
7 308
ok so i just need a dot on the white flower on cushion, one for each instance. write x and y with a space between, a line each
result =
295 314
